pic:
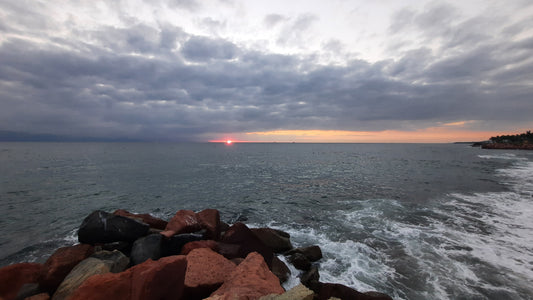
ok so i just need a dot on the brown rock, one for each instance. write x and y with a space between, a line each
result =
250 280
184 221
209 220
239 234
277 240
13 277
41 296
146 218
60 263
199 244
162 279
280 269
206 271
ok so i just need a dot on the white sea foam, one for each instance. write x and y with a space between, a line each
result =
502 156
475 246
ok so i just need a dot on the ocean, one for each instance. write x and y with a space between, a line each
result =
415 221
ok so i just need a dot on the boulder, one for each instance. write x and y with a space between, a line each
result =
174 244
250 280
280 269
300 261
279 241
13 277
199 244
103 227
299 292
146 218
28 290
224 226
328 290
378 295
145 248
115 259
85 269
209 220
313 253
206 271
41 296
122 246
161 279
239 234
310 278
60 263
184 221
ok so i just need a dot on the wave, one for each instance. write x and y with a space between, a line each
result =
464 246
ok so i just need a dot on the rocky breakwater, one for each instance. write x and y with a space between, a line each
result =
193 256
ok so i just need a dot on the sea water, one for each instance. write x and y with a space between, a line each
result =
415 221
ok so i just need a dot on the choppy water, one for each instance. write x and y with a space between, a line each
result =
415 221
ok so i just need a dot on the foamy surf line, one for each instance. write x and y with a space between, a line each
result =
467 246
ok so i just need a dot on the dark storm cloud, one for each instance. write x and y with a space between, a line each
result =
164 83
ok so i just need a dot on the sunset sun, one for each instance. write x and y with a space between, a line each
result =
229 142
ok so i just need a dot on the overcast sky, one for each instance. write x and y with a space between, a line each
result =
200 70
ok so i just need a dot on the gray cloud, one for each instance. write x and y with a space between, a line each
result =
204 49
164 83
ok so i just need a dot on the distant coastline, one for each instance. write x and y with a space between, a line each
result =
522 141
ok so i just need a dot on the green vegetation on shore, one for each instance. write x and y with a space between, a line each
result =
522 141
517 139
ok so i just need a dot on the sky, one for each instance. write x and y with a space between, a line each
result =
284 71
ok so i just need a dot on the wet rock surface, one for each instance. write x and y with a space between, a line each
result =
196 256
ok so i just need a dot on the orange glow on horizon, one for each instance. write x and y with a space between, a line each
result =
428 135
441 133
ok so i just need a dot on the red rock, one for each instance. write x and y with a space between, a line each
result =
239 234
184 221
41 296
161 279
60 263
250 280
206 271
199 244
146 218
210 221
13 277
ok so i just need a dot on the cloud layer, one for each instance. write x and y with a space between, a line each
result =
162 81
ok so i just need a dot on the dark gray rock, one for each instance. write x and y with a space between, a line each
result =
124 247
280 269
300 261
115 260
173 245
313 253
279 241
103 227
310 278
145 248
28 290
378 295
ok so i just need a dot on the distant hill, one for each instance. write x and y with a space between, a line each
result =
14 136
